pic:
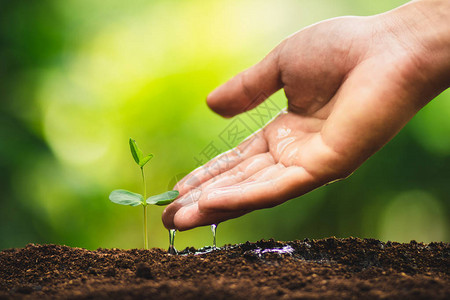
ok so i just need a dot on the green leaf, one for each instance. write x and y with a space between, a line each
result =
137 154
163 199
145 160
125 197
135 151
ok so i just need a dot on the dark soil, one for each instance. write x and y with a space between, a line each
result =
310 269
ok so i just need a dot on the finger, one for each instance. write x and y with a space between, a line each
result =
275 187
253 145
249 88
265 173
241 199
189 217
234 176
169 212
238 174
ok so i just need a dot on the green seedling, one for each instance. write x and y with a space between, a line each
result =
125 197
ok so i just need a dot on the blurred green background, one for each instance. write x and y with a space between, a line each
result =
78 78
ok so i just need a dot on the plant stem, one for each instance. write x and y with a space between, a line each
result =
145 186
145 210
145 228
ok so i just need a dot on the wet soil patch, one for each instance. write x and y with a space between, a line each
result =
309 269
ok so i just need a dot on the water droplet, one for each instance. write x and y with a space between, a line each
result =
283 132
284 250
214 229
172 249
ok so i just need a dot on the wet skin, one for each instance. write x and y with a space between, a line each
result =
351 83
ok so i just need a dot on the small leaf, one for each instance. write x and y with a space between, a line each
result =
163 199
145 160
125 197
135 151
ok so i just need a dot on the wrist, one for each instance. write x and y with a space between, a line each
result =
425 26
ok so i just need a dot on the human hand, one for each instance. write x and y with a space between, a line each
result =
351 83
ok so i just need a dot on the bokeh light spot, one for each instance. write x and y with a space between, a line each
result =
413 215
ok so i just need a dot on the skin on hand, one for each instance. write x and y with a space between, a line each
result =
351 83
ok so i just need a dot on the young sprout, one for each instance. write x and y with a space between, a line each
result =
125 197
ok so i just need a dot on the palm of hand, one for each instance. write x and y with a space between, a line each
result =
334 122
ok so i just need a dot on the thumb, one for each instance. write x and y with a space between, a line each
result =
247 89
